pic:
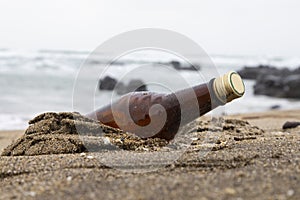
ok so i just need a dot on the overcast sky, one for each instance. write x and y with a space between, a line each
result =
243 27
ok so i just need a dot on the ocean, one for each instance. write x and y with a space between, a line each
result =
33 82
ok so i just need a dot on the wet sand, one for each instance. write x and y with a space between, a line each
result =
258 160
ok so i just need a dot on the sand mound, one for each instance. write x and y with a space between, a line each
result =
61 133
58 133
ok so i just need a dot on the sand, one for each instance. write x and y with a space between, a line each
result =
240 157
7 137
62 133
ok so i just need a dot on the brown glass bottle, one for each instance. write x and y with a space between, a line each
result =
150 114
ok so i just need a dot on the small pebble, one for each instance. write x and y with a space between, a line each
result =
69 178
118 141
287 125
82 154
30 193
290 193
230 191
90 157
145 149
106 140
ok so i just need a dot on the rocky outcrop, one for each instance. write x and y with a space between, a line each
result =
133 85
109 83
179 66
278 86
271 81
252 73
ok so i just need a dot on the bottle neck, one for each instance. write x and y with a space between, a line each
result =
196 101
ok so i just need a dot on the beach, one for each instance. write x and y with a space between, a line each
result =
253 158
150 100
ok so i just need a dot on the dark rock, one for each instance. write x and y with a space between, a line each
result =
291 86
133 85
136 85
253 73
269 85
178 66
271 81
287 125
107 83
275 107
278 86
194 67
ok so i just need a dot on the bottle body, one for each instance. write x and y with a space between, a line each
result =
150 114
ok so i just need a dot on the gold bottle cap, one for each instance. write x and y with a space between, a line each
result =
229 86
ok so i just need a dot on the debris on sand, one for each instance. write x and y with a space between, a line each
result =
288 124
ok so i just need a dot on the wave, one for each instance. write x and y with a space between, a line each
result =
14 121
66 62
